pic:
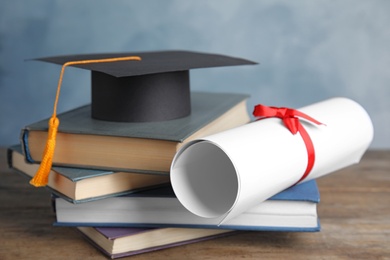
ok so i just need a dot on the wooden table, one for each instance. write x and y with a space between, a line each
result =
354 213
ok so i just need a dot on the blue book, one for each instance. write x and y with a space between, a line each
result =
78 185
294 209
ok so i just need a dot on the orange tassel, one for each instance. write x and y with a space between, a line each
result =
41 177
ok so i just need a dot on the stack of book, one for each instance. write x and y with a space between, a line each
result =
110 179
120 198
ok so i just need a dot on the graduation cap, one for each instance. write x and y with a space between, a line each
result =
133 87
154 88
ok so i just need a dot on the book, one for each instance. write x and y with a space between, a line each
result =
294 209
121 242
147 147
82 185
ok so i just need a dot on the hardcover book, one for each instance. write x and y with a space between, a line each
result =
294 209
146 147
81 185
121 242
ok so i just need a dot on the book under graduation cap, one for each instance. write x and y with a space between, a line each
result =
121 242
79 185
141 112
294 209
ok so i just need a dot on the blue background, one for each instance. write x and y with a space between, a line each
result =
308 51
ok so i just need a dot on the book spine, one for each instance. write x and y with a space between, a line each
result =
9 158
24 143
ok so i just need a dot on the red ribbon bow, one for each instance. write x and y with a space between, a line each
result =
290 119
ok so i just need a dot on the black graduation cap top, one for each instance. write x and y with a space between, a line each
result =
156 88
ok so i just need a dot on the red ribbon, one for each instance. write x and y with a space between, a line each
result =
290 119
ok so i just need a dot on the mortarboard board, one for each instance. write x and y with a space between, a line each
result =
155 88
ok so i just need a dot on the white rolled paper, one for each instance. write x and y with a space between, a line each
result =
225 174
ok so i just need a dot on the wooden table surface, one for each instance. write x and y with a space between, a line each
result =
354 213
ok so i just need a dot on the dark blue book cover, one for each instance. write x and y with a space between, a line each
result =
121 242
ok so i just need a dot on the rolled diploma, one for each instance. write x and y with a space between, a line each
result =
225 174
